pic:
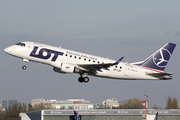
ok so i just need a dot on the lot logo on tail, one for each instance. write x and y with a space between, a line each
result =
162 57
158 61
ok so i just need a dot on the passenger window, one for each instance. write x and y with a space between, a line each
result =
84 58
74 56
70 55
66 55
94 61
89 60
98 62
79 57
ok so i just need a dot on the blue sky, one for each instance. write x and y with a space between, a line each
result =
116 28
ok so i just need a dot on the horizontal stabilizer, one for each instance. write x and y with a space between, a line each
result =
161 76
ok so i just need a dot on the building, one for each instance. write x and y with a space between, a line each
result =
69 104
36 101
102 114
98 106
110 103
8 103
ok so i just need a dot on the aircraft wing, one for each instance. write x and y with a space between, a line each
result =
161 75
92 67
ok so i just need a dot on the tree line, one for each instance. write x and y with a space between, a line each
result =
12 113
135 103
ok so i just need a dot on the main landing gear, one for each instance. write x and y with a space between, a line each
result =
83 79
25 62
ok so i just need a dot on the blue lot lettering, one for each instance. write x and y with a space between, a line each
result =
47 56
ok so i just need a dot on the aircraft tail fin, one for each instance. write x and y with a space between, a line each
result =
76 116
157 62
156 118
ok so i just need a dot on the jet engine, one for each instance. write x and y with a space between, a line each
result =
66 68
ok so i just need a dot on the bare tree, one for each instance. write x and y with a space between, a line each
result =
169 103
39 106
132 104
155 107
30 108
174 103
12 113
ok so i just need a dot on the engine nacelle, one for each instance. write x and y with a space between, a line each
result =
67 68
58 70
64 68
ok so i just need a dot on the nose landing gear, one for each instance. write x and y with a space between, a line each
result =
25 62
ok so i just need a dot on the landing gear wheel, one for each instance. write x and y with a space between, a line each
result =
81 79
24 67
86 79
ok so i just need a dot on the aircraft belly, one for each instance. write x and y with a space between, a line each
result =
110 74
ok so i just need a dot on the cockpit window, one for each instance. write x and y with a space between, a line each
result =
20 44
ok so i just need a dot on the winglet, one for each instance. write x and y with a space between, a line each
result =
118 61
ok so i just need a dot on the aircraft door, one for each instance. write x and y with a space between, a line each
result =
127 69
37 45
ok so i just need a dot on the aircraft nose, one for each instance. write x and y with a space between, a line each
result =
7 50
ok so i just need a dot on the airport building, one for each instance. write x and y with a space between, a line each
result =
111 103
36 101
69 104
102 114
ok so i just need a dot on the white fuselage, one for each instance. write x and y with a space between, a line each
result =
55 56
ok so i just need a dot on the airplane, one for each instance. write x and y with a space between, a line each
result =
68 61
76 116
